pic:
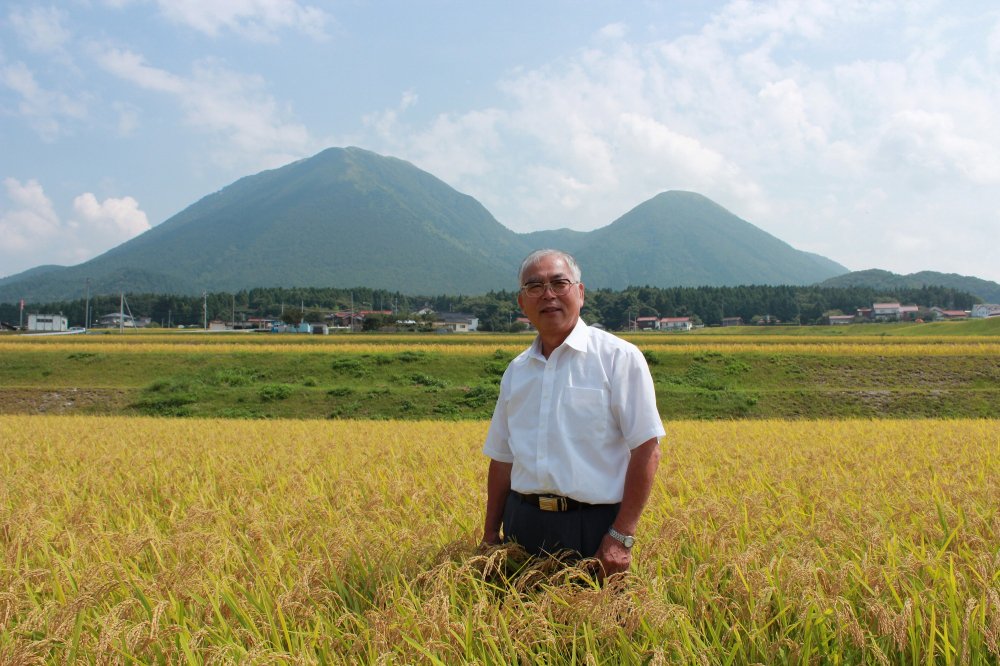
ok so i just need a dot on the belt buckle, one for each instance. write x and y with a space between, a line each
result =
551 503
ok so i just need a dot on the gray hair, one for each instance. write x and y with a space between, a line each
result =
536 256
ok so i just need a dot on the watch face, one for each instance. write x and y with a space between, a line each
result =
628 541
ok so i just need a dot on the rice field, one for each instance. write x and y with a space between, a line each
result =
142 540
137 342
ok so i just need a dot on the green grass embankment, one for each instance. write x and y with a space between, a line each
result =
436 384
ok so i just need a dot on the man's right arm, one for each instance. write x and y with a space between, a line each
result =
497 489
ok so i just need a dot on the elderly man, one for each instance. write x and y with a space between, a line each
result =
573 443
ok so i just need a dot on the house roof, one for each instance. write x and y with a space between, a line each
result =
453 317
675 319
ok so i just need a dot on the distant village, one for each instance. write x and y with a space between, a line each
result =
878 312
449 322
457 322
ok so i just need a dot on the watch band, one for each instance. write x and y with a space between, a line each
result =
626 540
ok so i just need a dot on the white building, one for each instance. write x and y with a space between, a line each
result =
456 322
885 311
47 322
675 324
984 310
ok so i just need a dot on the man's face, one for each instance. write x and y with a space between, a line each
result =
551 314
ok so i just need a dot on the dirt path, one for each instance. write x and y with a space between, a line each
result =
63 400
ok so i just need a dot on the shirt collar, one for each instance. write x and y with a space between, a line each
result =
577 339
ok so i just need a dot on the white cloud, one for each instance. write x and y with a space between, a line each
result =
112 218
613 31
40 29
257 20
45 110
133 67
128 118
249 126
32 233
928 142
30 218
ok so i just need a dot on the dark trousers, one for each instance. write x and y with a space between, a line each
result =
539 532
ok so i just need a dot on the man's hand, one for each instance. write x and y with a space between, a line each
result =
613 556
490 539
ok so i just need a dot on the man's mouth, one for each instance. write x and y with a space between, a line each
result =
550 308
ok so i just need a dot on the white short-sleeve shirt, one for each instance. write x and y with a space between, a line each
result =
568 423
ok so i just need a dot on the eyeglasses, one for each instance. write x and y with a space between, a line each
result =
558 287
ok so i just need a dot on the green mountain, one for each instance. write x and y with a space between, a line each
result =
344 217
32 273
349 217
876 278
684 239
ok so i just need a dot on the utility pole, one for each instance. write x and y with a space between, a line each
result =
86 310
204 309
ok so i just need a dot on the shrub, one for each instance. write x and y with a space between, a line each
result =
272 392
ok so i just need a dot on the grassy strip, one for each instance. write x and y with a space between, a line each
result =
418 384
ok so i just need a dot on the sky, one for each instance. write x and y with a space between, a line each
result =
863 131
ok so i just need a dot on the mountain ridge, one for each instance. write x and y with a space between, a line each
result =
350 217
878 278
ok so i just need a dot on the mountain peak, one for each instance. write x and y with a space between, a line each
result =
350 217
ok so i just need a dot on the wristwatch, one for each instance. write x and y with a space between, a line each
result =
626 540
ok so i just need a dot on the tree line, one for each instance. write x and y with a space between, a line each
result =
498 310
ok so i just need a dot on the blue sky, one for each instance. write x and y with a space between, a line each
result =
863 131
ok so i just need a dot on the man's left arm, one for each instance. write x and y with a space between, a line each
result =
639 475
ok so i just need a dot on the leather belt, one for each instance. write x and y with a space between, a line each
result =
552 502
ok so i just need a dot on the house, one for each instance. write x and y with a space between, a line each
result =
528 326
301 327
885 311
647 323
346 319
908 312
940 313
116 320
676 324
319 329
456 322
258 323
985 310
840 320
217 325
47 322
732 321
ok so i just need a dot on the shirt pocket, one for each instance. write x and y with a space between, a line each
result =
585 414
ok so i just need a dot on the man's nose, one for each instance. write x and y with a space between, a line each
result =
548 291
